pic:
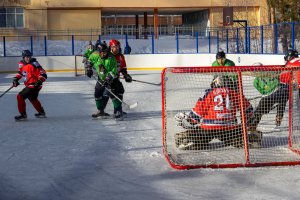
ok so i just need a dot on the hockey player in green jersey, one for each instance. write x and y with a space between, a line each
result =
265 85
105 66
275 91
221 60
90 49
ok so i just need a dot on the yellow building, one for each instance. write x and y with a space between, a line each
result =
26 16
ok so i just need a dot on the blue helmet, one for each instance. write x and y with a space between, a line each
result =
26 53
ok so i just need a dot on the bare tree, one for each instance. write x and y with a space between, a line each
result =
284 11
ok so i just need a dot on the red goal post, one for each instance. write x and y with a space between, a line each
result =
183 86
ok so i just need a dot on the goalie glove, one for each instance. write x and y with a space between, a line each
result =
181 115
184 121
187 124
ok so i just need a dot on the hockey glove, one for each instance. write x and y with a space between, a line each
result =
16 82
106 84
89 72
109 78
128 78
38 84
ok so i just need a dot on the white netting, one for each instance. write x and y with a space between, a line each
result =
190 141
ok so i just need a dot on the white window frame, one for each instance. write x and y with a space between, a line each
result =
16 13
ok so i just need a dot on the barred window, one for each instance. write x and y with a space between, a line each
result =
11 17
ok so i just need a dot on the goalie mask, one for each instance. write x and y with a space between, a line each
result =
217 82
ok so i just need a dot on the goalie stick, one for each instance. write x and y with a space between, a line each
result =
129 106
149 83
6 91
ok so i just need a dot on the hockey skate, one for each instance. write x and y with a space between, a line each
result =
278 121
255 139
100 115
41 114
119 116
21 117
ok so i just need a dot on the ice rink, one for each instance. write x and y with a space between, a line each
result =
70 156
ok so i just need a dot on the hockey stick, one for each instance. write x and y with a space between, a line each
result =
6 91
156 84
253 98
129 106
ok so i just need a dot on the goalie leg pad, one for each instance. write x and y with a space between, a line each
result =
191 140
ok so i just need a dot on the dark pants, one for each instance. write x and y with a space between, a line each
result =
31 94
102 95
267 103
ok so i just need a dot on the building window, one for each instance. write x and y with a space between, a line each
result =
11 17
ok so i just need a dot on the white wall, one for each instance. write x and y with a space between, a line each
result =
177 60
145 61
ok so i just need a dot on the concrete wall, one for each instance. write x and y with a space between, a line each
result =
145 62
73 19
60 15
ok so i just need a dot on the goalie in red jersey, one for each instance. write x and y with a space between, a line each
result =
34 75
214 116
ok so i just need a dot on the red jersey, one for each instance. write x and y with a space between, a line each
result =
31 72
121 63
218 108
286 78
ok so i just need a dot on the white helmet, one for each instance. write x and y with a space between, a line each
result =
218 81
257 64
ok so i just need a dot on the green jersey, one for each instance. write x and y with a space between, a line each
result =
94 58
104 66
227 63
266 85
87 53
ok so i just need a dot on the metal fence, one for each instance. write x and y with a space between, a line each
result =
269 39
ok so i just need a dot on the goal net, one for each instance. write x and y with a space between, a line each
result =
79 65
230 116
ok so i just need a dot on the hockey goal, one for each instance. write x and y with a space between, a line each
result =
185 147
79 65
